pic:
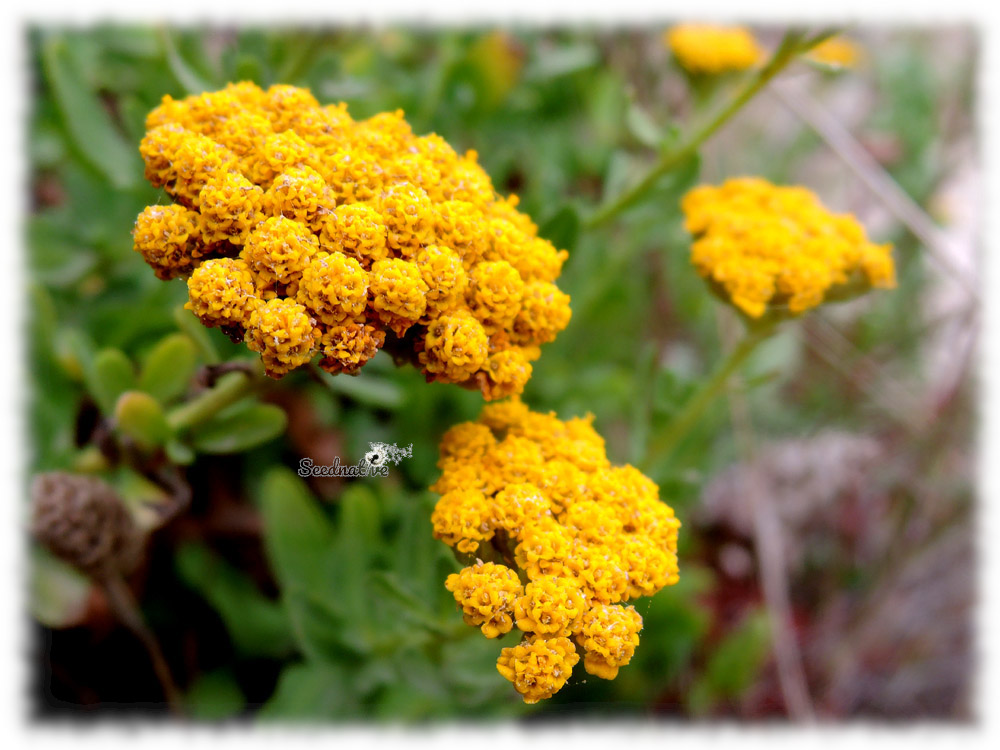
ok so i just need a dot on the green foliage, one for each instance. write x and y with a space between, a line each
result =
257 625
733 664
362 625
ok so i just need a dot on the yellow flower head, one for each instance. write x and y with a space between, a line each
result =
538 494
608 637
370 228
463 519
283 333
333 287
486 594
538 667
221 292
456 346
765 246
231 207
168 238
835 52
279 250
704 48
347 347
550 606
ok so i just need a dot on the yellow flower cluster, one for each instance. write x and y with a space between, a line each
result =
303 232
836 52
765 246
708 49
567 539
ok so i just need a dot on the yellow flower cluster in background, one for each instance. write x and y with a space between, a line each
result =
557 538
768 246
704 48
305 233
836 52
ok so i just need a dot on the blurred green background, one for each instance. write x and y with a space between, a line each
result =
278 599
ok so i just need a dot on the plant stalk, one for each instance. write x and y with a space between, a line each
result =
792 45
126 609
229 389
684 420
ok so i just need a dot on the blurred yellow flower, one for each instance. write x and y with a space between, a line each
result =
765 246
704 48
836 52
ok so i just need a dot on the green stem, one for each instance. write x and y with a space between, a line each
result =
791 46
230 388
684 420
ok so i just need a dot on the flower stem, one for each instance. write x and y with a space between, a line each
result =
126 609
229 389
684 420
793 44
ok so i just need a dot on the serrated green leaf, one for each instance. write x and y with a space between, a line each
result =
88 124
169 367
256 625
408 604
322 630
247 428
109 375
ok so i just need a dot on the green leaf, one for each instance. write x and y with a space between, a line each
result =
679 180
620 168
313 690
366 389
141 417
234 431
325 632
642 127
169 367
297 535
179 452
184 73
88 124
56 258
358 541
733 665
256 625
188 322
562 229
58 593
74 351
562 61
110 375
215 695
408 604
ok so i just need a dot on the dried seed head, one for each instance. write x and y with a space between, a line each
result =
83 521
